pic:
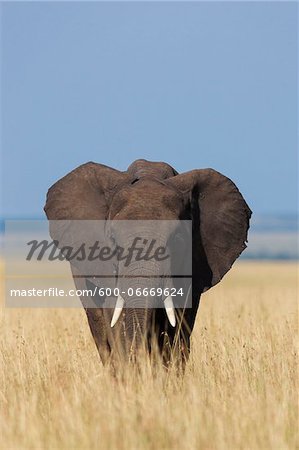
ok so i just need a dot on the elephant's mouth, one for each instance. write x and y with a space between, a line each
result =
121 304
168 305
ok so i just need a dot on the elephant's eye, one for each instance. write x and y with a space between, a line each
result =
112 236
115 269
175 241
178 239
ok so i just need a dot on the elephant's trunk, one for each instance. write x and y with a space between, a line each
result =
120 303
133 317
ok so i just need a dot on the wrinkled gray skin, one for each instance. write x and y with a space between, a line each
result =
155 191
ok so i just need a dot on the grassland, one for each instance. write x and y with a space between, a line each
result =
239 390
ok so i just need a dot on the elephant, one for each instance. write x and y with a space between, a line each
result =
151 191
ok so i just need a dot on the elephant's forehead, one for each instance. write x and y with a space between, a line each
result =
141 168
152 192
146 199
148 187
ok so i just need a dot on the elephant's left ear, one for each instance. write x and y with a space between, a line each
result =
220 217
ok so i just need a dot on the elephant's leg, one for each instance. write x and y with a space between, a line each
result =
186 319
97 326
173 343
95 317
179 339
184 349
174 350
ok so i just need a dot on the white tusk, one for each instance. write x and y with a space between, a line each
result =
117 310
168 303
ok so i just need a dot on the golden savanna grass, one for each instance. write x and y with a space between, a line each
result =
239 390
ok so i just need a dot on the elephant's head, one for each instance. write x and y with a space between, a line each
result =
150 191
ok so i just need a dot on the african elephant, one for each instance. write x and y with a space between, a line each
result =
149 191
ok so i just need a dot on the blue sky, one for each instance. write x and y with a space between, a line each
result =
194 84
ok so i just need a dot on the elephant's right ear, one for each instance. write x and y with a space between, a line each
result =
84 194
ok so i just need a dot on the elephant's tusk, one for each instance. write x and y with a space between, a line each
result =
117 310
168 303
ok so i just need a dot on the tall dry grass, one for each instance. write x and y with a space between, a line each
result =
239 390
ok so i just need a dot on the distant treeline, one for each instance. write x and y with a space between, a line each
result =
271 237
